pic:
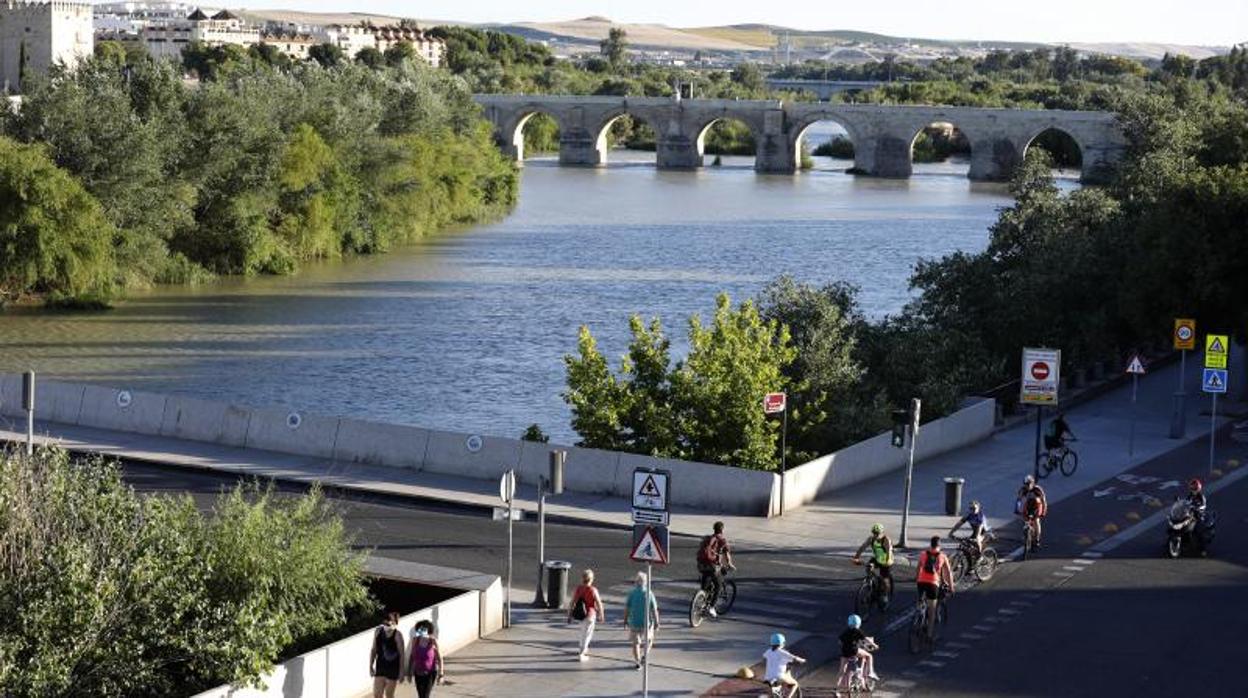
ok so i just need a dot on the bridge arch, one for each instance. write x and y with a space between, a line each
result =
602 128
799 131
511 133
1070 152
939 139
705 129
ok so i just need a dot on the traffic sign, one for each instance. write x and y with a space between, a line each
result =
1136 366
1184 334
507 486
650 489
773 403
1217 346
1041 374
650 544
1214 380
651 516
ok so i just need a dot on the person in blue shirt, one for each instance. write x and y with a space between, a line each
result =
635 618
976 521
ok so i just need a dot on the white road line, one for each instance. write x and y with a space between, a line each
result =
1060 573
1074 568
1093 554
982 628
1020 603
886 694
945 655
970 636
934 665
1081 561
901 683
1008 611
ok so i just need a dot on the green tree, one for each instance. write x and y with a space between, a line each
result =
327 55
370 57
400 53
615 47
749 77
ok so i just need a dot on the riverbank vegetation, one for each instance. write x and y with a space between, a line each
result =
1097 273
256 170
106 593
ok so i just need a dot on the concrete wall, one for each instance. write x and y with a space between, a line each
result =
876 456
341 669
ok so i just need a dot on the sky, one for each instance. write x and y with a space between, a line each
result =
1202 22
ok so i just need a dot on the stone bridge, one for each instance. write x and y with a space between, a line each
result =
883 135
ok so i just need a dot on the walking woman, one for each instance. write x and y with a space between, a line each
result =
385 662
586 607
425 667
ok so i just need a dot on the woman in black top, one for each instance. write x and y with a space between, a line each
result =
385 662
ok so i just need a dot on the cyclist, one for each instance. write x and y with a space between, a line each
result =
778 660
977 522
1055 436
852 646
1032 505
933 572
714 556
881 557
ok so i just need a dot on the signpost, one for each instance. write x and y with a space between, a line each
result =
1214 382
916 407
28 404
651 541
545 486
1135 367
1184 341
1042 370
773 403
507 492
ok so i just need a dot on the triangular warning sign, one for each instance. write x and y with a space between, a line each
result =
1215 346
649 488
1136 366
648 549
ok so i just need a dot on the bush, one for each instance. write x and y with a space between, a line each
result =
105 593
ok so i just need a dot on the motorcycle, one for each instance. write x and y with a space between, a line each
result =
1186 531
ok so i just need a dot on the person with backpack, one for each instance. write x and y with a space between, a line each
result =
933 573
424 667
385 661
714 556
586 607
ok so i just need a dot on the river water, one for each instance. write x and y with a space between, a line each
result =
467 331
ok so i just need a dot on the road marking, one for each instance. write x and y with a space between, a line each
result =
1033 595
804 565
932 664
886 694
1008 611
902 684
945 655
971 636
913 673
1020 603
957 645
1074 568
1080 561
1092 554
982 628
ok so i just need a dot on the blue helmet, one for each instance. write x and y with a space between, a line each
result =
777 639
854 620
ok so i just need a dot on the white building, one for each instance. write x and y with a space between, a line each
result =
428 48
128 19
41 34
166 40
350 38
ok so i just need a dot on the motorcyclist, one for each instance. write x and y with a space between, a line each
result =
881 556
1196 498
976 521
1032 504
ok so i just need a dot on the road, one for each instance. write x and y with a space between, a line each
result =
1072 623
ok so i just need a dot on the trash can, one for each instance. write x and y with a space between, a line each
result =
557 572
953 495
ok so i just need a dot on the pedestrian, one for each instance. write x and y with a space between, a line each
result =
385 661
425 664
637 619
586 607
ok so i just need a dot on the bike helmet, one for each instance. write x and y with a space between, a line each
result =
1195 484
975 505
855 621
1029 480
777 639
877 529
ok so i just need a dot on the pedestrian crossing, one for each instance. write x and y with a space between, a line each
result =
767 603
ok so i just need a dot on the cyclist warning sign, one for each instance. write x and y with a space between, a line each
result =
1041 373
1216 346
650 489
650 544
1184 334
1136 366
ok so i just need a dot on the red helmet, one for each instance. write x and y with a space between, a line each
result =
1194 484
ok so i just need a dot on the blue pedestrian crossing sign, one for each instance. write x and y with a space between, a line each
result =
1214 380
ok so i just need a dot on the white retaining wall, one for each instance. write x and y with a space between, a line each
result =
876 456
341 669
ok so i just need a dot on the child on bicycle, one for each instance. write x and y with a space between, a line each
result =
778 660
854 645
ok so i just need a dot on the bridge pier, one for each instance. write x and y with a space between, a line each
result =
994 159
678 152
578 146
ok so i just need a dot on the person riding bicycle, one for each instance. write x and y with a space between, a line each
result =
852 647
881 557
714 556
977 522
778 660
932 573
1032 505
1055 436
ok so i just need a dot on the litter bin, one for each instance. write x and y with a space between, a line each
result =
953 495
557 572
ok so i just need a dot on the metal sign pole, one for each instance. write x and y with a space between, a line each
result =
645 657
510 498
1213 430
28 402
1178 421
1035 461
1135 386
539 598
784 437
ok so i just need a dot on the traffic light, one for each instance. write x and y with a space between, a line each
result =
901 418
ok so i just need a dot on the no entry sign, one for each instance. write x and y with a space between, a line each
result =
773 403
1042 370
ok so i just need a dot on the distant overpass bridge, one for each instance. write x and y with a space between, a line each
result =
883 135
823 89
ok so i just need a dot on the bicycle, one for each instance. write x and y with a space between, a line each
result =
921 640
1062 458
700 605
1030 536
855 669
872 593
968 558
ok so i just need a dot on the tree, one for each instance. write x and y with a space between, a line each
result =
370 57
749 77
327 55
535 434
615 47
399 53
270 55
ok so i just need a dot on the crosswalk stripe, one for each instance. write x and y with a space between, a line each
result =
1092 554
946 655
1074 568
971 636
934 665
957 645
982 628
1081 561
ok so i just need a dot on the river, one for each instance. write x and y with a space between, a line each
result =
466 331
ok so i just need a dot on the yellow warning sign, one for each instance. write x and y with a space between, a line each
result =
1216 350
1184 334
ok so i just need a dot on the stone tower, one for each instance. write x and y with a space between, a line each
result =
34 36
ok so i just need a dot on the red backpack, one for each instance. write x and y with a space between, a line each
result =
708 552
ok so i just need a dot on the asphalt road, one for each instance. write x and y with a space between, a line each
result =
1070 623
778 589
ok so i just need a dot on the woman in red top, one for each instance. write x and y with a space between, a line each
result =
425 663
587 599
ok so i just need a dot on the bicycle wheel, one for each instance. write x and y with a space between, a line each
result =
957 566
727 596
1043 468
697 608
986 565
918 630
1029 539
1070 461
863 599
942 616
